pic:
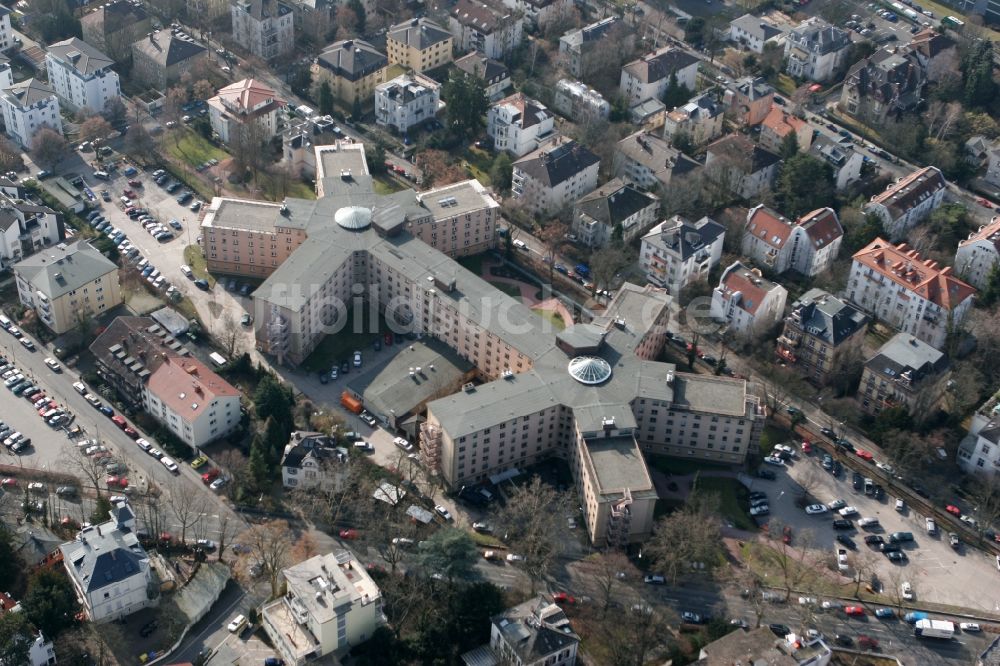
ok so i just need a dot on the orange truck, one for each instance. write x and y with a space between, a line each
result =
351 403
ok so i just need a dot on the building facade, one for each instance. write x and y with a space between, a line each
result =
160 60
534 633
617 207
492 29
650 76
808 245
555 175
913 295
977 255
741 166
195 404
580 103
112 27
844 160
406 101
81 75
265 28
6 32
519 125
747 302
29 106
311 460
822 334
25 228
419 44
649 161
886 84
246 110
699 121
979 452
905 372
330 605
67 283
493 74
778 124
677 252
815 50
580 48
908 201
749 100
352 67
752 32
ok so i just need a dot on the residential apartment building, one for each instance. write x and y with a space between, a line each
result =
67 283
243 237
698 121
419 44
541 13
81 75
822 333
491 29
978 254
195 404
25 228
312 459
112 27
6 32
649 161
534 633
580 49
915 296
330 605
905 372
406 101
778 124
209 10
752 32
617 207
814 50
749 100
127 352
937 53
519 125
555 175
160 60
28 106
762 646
109 569
352 67
887 83
908 201
808 245
265 28
677 252
747 302
246 109
650 76
458 219
741 166
844 160
650 115
493 74
6 73
580 103
979 452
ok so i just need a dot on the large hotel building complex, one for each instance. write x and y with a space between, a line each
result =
593 394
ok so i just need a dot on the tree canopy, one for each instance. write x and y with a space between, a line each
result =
50 603
467 103
15 639
805 184
450 552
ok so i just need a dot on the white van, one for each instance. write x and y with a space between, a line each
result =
170 464
102 175
186 270
520 245
4 322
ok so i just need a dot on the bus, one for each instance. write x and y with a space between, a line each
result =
952 22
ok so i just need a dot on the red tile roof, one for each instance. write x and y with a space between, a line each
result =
782 123
769 226
6 602
244 96
753 289
904 266
188 386
822 227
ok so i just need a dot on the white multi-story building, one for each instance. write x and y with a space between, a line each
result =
29 106
747 302
844 160
614 207
978 254
197 405
904 373
555 175
815 50
650 76
519 125
542 12
909 200
406 101
912 294
248 107
312 460
41 652
752 32
265 28
330 605
979 452
808 245
25 228
493 30
677 252
580 103
109 568
81 75
6 33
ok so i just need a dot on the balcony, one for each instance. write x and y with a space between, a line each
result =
790 340
620 521
430 446
785 354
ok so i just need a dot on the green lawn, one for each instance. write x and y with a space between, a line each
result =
194 258
472 263
553 317
192 148
385 185
772 435
733 500
341 345
300 190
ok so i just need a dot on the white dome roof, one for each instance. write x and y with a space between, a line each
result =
355 218
589 370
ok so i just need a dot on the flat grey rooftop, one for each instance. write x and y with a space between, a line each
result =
618 463
246 214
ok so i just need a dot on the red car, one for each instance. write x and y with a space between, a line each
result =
786 534
46 407
984 202
864 455
129 193
953 510
210 475
563 598
8 482
867 642
135 183
348 534
807 447
855 611
117 481
131 432
119 421
387 339
165 536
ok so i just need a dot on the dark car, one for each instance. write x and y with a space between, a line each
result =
201 283
896 556
844 640
107 411
779 630
324 378
345 367
879 493
858 481
148 629
838 468
827 432
874 540
890 547
711 360
766 474
843 524
846 541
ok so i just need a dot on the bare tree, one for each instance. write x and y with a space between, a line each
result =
10 156
687 537
631 643
268 544
187 507
139 143
229 334
95 127
864 564
48 146
77 462
751 584
796 558
608 570
533 520
228 528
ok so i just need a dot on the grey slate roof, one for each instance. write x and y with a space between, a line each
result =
818 37
904 353
352 58
756 26
614 202
743 152
656 154
660 65
168 50
478 64
826 317
552 164
82 56
264 9
104 555
27 93
683 238
589 33
535 629
420 33
60 269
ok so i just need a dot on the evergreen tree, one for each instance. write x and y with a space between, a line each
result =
50 603
358 8
467 103
991 290
325 95
805 184
376 159
675 94
789 146
501 172
259 467
15 639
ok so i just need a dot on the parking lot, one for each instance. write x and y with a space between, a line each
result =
931 565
